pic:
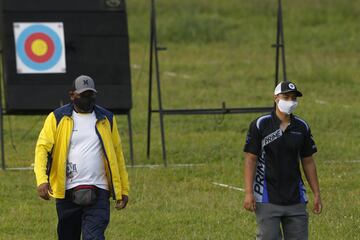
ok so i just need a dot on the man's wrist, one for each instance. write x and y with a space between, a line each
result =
317 195
249 192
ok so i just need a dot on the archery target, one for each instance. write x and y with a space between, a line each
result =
39 47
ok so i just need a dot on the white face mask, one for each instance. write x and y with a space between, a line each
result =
287 107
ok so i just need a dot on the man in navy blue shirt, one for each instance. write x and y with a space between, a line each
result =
276 144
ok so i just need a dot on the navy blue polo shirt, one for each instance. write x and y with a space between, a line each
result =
278 177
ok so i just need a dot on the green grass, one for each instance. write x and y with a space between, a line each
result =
219 51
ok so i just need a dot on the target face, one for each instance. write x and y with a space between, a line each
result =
39 47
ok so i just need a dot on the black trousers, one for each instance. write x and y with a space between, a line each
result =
90 221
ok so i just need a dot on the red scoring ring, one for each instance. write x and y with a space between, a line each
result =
45 38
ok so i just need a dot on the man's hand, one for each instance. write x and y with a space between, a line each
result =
249 202
249 172
309 168
317 205
43 191
121 204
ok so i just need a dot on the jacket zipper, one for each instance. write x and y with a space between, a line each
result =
107 160
68 149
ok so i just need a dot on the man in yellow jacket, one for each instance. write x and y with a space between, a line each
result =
79 162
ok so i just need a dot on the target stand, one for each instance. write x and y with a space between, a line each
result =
154 66
46 44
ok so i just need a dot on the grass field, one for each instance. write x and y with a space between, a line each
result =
217 51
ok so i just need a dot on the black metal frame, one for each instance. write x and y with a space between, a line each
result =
1 88
2 116
154 53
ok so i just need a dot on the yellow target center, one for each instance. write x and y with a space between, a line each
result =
39 47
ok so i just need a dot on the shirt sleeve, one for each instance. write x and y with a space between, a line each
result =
253 140
309 146
120 158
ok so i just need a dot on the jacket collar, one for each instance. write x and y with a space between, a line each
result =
69 108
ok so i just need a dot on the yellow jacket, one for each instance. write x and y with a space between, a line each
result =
53 144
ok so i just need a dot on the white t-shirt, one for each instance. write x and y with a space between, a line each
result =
85 164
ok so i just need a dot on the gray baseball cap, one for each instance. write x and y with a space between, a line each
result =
83 83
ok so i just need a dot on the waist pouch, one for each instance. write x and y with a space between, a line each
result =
84 195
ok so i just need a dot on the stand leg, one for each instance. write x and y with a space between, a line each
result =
280 46
2 137
282 41
157 68
150 80
2 115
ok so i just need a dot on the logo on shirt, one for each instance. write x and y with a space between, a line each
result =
259 181
271 137
71 170
259 178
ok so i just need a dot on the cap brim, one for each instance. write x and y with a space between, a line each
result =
298 93
85 89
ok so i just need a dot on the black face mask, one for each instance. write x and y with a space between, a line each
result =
85 104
